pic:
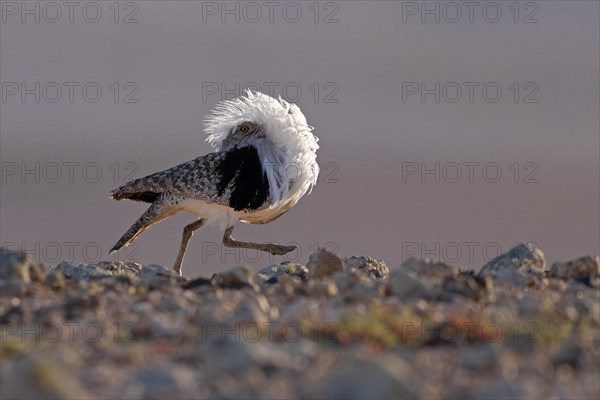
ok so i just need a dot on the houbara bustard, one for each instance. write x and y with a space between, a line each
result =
264 162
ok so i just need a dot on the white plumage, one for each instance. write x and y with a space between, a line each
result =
289 152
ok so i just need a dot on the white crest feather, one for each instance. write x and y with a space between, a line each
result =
288 151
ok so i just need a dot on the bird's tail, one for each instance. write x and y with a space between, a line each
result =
155 213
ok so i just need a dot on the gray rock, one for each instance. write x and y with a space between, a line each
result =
523 258
581 268
324 263
236 278
442 280
464 285
273 272
407 284
374 269
154 269
428 267
510 277
199 282
358 287
78 271
154 276
150 276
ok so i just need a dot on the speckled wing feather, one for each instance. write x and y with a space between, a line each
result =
234 178
196 179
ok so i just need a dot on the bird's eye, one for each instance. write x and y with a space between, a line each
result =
244 128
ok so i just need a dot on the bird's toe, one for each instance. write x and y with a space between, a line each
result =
279 250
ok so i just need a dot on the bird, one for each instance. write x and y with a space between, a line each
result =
264 161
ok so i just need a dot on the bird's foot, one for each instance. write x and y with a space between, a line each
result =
279 250
177 269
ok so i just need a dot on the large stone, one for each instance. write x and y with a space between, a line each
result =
324 263
460 284
156 276
198 282
236 278
358 287
272 273
429 268
581 268
523 258
407 284
72 270
374 269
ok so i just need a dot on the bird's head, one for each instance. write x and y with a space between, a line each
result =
242 135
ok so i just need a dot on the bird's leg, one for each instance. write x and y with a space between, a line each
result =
155 213
188 231
273 248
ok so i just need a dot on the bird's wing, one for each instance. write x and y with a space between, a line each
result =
194 179
234 178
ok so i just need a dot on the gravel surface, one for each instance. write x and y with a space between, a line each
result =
335 328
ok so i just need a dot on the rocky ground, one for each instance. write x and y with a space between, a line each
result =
335 328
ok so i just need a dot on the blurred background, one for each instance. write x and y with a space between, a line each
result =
447 131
